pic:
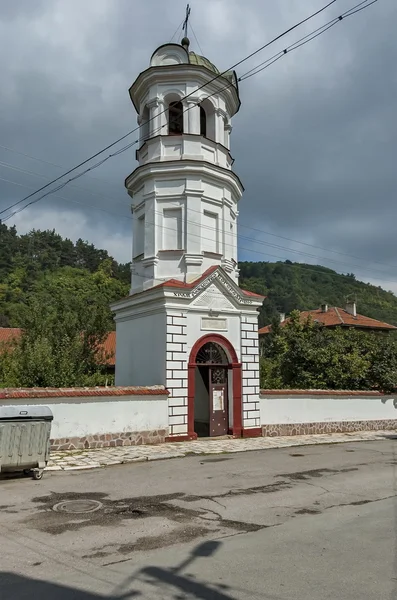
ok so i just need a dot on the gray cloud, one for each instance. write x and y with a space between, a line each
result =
315 140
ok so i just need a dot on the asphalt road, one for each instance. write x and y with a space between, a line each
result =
310 523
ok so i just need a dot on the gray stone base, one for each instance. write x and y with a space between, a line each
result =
327 427
106 440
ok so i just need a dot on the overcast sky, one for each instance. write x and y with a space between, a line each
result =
315 141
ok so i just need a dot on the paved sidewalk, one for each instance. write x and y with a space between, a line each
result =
104 457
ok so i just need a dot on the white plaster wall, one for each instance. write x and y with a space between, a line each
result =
140 350
194 331
302 409
79 417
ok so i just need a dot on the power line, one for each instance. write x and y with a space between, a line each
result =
176 30
195 37
96 165
242 237
306 39
239 236
184 98
46 162
351 11
77 187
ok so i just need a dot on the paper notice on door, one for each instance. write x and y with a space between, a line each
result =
217 400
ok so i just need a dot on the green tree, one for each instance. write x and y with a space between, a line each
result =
307 356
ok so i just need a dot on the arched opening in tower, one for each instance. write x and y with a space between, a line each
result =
175 118
203 122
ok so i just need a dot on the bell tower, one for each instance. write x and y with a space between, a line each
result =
184 192
186 324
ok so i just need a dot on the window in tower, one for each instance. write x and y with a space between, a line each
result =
175 118
203 122
139 241
145 124
172 229
210 232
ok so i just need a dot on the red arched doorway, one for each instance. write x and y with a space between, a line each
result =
214 366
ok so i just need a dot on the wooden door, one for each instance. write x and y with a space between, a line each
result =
218 401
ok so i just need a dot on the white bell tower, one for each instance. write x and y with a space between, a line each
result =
184 192
186 323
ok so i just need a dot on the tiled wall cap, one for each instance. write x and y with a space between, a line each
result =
322 393
155 390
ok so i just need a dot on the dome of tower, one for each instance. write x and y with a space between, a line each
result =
202 61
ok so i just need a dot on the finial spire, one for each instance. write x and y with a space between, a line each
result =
185 22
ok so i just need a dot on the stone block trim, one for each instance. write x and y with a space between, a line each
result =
155 390
327 427
110 440
250 372
176 372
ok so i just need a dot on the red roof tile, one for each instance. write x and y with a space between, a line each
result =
176 283
109 348
7 334
336 317
155 390
320 393
248 293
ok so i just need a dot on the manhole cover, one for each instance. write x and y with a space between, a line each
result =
78 506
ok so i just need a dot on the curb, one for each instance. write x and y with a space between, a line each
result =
182 454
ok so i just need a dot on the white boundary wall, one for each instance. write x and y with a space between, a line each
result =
84 416
309 409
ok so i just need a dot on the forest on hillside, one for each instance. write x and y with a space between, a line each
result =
43 266
59 293
289 286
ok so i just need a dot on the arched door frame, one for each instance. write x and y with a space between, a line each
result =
234 365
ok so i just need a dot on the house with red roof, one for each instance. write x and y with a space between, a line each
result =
107 348
335 317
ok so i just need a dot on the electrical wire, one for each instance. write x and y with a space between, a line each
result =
217 76
195 37
306 39
46 162
113 200
238 237
96 165
34 174
176 30
348 13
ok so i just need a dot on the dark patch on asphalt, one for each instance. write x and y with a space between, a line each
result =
5 506
358 502
307 511
189 523
270 488
294 455
304 475
182 535
350 450
214 460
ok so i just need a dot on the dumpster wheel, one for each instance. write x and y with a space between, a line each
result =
38 474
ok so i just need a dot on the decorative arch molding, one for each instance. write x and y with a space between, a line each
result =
236 368
169 54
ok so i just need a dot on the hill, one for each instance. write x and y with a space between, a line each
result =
44 266
300 286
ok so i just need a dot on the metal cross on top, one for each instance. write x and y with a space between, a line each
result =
185 22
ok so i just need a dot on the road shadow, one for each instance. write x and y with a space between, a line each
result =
172 584
18 587
148 582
